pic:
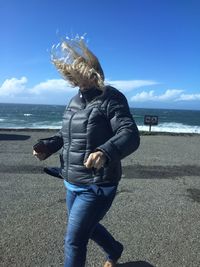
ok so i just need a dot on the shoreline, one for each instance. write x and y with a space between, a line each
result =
142 133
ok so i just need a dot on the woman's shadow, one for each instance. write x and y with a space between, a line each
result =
135 264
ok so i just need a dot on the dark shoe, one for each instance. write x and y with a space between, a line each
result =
111 261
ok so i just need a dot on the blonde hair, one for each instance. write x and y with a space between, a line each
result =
77 64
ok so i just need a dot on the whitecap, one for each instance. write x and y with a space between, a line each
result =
172 127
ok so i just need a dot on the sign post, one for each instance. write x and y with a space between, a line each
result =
150 120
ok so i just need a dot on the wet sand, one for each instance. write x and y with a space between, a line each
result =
156 213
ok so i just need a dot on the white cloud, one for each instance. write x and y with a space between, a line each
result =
17 87
52 86
46 91
168 95
143 96
128 85
13 86
189 97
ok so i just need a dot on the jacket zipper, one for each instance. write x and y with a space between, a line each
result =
69 136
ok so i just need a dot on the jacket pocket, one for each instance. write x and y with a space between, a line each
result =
98 173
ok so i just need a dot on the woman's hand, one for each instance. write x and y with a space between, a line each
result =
95 160
40 156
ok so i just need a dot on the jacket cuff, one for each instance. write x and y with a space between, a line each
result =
110 150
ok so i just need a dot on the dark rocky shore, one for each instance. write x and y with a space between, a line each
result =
156 213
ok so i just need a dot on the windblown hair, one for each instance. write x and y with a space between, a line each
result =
77 64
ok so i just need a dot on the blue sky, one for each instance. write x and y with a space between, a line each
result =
149 49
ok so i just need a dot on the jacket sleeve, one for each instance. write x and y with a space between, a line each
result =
125 139
54 143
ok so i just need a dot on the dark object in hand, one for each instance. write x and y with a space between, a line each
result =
41 147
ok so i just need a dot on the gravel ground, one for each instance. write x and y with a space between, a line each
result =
156 213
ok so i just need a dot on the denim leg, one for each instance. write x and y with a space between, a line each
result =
85 211
101 236
106 241
70 197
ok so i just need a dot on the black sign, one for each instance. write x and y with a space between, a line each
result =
150 120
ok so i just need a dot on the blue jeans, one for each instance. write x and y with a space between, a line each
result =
85 210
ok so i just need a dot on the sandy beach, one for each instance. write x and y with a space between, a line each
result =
156 213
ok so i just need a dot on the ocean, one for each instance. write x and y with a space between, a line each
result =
20 116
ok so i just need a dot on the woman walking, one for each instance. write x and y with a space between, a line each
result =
98 131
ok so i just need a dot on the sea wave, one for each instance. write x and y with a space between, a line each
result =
50 127
46 125
20 124
172 127
27 114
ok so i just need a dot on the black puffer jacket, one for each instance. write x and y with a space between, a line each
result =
95 121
